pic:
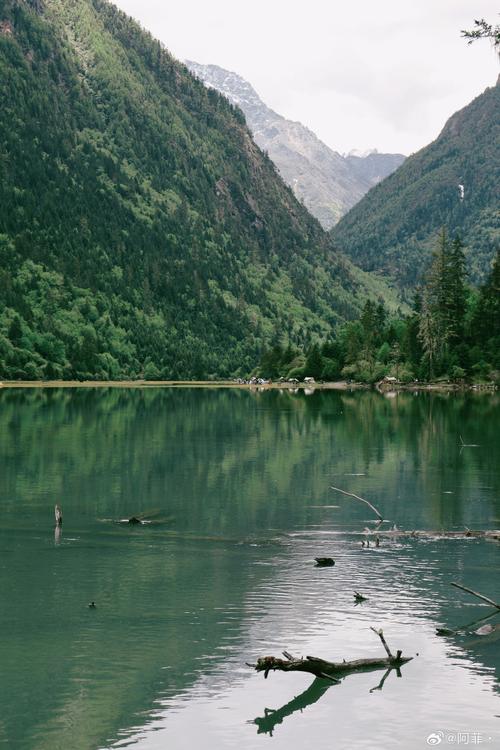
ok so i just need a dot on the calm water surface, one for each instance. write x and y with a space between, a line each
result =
238 486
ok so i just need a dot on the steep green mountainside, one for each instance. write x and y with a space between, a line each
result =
394 227
142 232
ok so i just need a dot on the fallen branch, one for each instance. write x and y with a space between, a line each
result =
464 629
380 634
332 671
357 497
468 445
479 596
419 534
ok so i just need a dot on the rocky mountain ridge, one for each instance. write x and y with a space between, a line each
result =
327 182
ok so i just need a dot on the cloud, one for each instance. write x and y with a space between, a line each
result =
389 72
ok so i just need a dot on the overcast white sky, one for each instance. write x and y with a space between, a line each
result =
363 74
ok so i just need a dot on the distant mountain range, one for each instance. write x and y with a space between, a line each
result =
328 183
453 182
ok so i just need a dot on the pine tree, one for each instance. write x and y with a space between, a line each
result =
380 319
432 324
369 319
486 321
314 362
428 334
444 300
412 346
454 298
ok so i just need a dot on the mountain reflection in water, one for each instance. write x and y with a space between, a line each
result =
240 483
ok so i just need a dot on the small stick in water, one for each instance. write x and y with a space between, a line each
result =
468 445
479 596
351 494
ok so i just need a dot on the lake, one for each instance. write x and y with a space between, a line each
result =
236 485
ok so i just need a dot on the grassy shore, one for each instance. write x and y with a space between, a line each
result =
341 385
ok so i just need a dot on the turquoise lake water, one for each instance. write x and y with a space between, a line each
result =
236 485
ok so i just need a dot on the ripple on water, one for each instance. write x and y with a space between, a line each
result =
178 615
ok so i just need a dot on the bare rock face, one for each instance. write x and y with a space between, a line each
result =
328 183
6 28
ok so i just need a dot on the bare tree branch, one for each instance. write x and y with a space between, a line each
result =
351 494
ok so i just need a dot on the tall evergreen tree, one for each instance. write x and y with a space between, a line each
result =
454 296
314 362
428 334
432 326
444 302
486 320
412 345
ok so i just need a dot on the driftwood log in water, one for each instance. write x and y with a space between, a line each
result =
329 670
423 534
395 532
472 629
485 630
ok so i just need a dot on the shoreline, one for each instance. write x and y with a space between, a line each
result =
342 385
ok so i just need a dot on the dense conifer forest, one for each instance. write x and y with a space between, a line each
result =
452 333
451 182
142 232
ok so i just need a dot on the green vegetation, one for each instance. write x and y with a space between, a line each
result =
452 334
483 30
452 182
142 232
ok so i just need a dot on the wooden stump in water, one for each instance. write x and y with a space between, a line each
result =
134 520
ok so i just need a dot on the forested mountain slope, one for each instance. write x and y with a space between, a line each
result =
453 182
142 232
